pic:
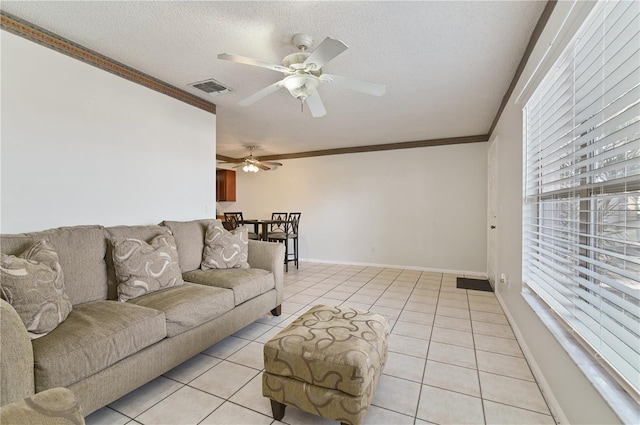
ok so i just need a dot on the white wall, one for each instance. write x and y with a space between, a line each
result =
579 402
423 207
83 146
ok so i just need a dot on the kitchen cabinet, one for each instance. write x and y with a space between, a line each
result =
225 186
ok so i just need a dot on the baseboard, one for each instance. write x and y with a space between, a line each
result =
554 406
467 273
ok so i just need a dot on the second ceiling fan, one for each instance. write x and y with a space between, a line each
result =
303 73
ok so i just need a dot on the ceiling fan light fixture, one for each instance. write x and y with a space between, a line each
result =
301 86
250 168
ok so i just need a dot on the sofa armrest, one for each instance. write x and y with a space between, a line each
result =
56 406
269 256
16 359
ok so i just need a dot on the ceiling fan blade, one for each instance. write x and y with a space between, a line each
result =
316 107
327 50
251 61
239 165
261 93
276 164
356 85
261 166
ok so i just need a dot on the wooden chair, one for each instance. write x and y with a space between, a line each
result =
234 219
286 232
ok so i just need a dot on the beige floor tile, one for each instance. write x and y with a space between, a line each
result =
452 354
265 337
301 299
194 406
402 296
397 394
407 345
254 330
424 292
224 379
490 308
445 302
497 345
357 306
390 302
232 414
378 416
448 407
192 368
146 396
454 296
226 347
514 367
370 291
106 416
454 337
272 320
480 299
514 392
416 317
326 301
412 329
500 414
420 307
404 366
251 396
452 323
492 329
336 295
483 316
250 355
286 322
423 299
459 313
451 377
364 299
390 313
292 308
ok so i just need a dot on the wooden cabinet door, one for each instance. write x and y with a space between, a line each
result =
225 185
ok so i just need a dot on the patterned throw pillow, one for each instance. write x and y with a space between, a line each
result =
224 249
33 283
143 267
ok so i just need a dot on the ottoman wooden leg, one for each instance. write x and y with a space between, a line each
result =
278 409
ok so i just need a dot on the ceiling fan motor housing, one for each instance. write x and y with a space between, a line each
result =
302 41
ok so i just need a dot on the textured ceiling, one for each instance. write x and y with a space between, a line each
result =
446 65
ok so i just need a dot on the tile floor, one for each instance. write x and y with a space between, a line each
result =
452 358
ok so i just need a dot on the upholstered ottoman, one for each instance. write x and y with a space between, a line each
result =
327 362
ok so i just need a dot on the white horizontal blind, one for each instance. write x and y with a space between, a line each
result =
581 215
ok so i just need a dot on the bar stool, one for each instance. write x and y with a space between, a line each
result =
235 219
283 234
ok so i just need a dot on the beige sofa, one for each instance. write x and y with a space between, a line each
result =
106 348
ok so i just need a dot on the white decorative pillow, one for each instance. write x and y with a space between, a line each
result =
143 267
224 249
33 283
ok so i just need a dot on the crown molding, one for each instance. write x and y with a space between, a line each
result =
22 28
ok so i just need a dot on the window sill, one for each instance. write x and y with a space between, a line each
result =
614 394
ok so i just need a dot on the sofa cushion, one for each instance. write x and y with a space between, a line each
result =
142 267
143 233
33 283
94 336
245 283
81 252
190 241
188 305
224 249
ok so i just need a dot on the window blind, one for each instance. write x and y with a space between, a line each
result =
581 215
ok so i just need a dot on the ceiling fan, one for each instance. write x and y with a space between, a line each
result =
303 73
253 164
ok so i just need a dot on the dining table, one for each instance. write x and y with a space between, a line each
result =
264 226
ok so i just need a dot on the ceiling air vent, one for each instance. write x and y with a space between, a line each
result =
211 87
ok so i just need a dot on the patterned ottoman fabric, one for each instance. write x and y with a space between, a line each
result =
328 362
